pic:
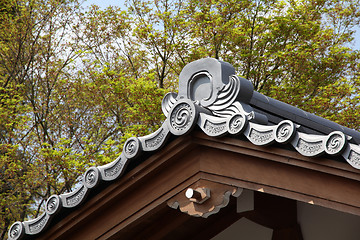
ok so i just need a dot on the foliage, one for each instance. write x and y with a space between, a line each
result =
298 52
63 106
16 186
76 83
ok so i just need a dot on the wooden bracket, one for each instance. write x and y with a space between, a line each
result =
203 198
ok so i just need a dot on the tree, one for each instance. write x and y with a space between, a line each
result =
298 52
65 106
76 84
31 36
16 188
116 73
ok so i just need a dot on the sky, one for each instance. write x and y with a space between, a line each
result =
357 39
120 3
105 3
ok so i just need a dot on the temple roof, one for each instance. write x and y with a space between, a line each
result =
211 97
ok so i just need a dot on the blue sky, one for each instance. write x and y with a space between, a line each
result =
357 39
105 3
120 3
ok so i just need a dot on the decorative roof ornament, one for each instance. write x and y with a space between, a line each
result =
212 97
